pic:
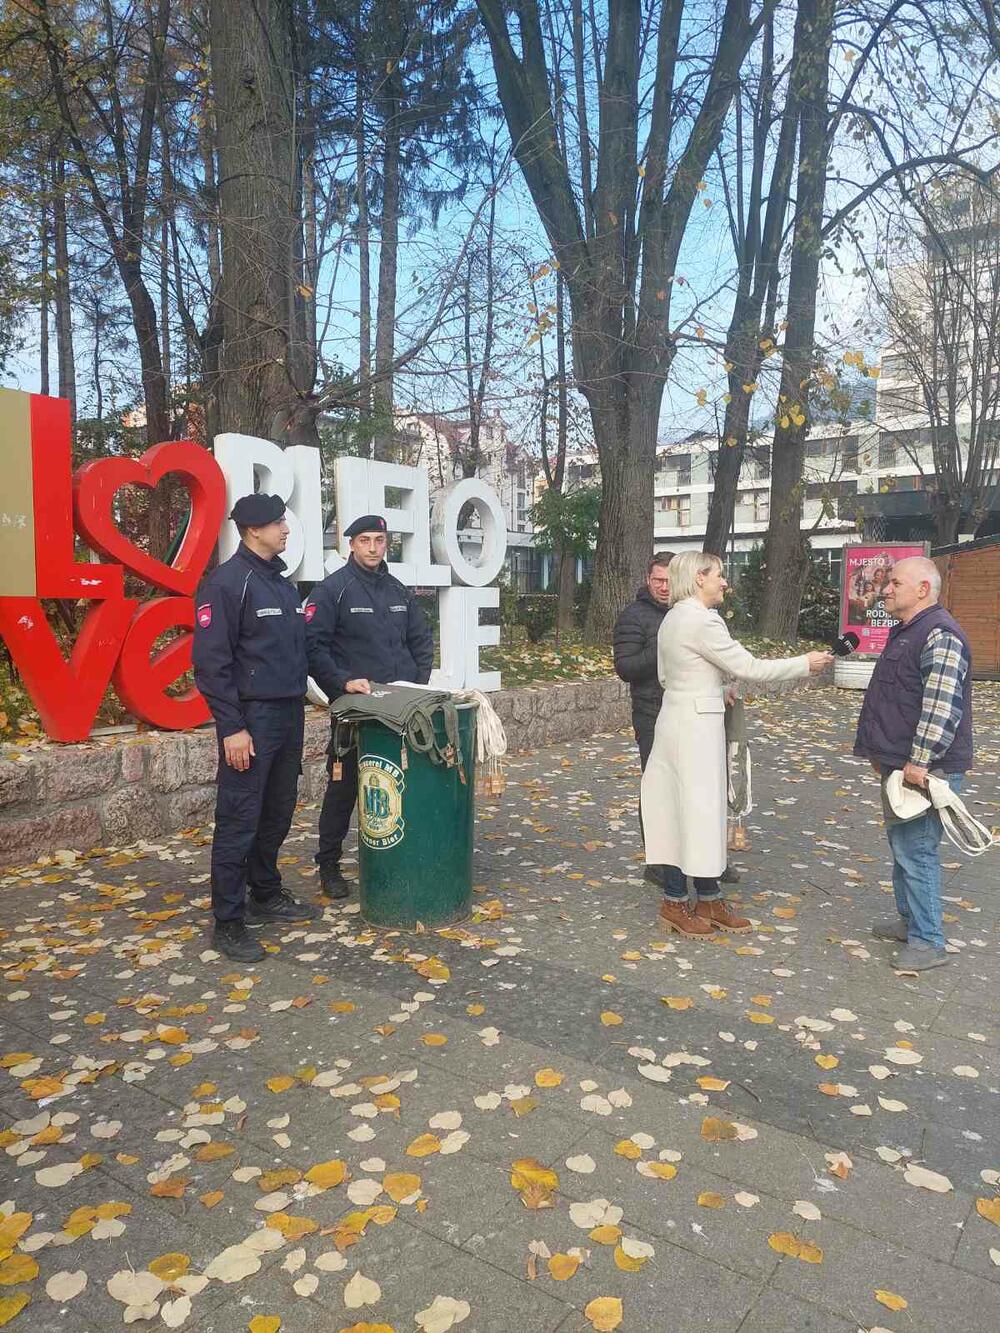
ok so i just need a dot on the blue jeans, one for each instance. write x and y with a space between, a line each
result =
916 870
675 886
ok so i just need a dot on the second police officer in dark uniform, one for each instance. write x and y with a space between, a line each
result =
249 658
363 627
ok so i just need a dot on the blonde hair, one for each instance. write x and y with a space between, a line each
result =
684 569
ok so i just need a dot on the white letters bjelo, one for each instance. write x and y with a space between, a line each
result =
361 486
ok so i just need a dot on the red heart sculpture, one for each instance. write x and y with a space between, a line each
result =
96 484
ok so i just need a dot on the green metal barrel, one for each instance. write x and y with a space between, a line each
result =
415 827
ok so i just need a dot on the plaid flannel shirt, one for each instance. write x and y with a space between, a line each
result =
943 666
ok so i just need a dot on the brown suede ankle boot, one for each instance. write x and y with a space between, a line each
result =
677 915
722 917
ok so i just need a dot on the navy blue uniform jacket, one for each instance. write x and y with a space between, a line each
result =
365 625
249 637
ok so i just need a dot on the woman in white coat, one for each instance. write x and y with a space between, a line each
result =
684 786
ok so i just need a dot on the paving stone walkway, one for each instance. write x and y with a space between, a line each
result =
550 1118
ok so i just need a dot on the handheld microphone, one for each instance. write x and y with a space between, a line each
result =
845 645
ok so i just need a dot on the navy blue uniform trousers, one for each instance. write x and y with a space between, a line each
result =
254 808
339 800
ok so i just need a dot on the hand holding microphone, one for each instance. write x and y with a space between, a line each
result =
845 644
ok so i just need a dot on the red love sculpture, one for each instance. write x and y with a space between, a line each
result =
66 694
141 676
96 484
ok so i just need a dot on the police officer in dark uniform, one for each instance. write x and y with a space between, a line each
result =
250 665
363 627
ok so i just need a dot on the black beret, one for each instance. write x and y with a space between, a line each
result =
256 511
366 523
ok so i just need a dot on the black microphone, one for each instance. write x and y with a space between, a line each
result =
845 645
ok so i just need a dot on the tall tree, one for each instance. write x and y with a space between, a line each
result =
757 243
108 119
618 248
266 373
786 555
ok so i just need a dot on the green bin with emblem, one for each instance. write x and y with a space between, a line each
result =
416 819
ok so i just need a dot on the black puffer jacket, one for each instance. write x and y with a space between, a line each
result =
635 651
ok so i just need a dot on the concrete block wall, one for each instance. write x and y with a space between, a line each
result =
117 789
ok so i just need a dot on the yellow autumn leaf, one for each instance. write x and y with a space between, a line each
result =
11 1306
212 1152
400 1185
169 1267
606 1235
264 1323
526 1171
17 1268
714 1130
626 1148
611 1019
709 1199
625 1263
563 1266
210 1199
604 1313
475 1010
172 1036
890 1300
663 1170
548 1078
712 1084
292 1228
990 1209
327 1174
827 1061
278 1179
423 1145
434 1039
281 1083
785 1242
369 1328
12 1228
677 1001
756 1017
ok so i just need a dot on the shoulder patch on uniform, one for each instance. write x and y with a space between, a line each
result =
204 615
310 611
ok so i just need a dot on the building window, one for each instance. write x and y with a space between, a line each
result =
888 451
761 506
677 509
675 470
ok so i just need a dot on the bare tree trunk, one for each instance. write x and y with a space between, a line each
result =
166 350
628 429
258 153
786 555
364 243
65 355
43 266
388 259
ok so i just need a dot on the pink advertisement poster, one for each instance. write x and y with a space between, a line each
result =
862 609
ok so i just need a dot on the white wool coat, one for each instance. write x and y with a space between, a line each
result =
684 787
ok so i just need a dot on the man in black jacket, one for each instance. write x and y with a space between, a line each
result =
249 657
635 650
635 635
362 627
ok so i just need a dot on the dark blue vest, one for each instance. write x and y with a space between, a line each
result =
893 700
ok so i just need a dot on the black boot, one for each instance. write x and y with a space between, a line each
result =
281 908
232 939
333 882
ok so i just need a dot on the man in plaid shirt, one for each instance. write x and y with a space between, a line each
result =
917 716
